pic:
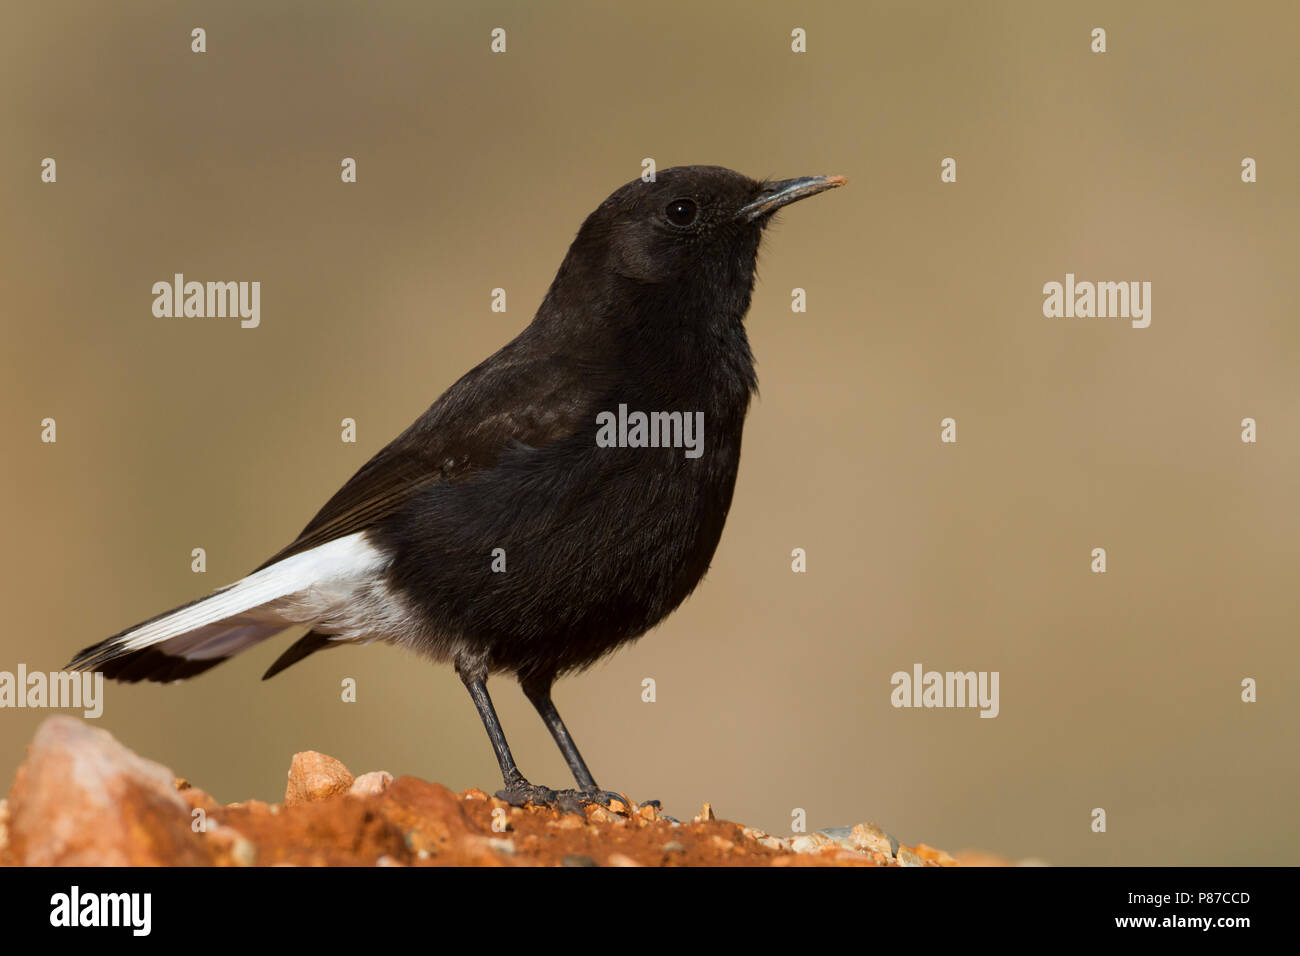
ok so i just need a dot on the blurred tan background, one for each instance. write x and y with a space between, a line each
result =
1118 691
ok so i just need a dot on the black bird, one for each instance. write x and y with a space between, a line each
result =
530 522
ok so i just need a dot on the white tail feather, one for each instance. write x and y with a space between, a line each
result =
246 612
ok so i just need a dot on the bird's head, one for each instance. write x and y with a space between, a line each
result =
688 238
689 217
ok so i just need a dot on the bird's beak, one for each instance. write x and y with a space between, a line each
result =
778 194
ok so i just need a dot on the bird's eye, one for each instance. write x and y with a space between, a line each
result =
682 212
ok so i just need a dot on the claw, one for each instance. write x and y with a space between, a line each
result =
522 794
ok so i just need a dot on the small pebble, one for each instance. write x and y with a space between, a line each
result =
870 836
314 776
371 784
243 853
811 843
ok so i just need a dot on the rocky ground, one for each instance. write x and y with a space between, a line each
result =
83 799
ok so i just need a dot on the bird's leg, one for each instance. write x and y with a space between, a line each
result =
539 692
518 791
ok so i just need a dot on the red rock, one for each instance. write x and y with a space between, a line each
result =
980 858
82 799
338 832
931 855
4 834
194 797
432 816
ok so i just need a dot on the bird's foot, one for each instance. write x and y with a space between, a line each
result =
577 801
522 793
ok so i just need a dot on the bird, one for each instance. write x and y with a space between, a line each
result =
558 501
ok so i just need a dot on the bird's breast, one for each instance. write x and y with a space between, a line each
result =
557 555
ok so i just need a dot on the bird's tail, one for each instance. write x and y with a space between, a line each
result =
185 641
194 637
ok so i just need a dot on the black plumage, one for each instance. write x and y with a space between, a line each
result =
496 531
